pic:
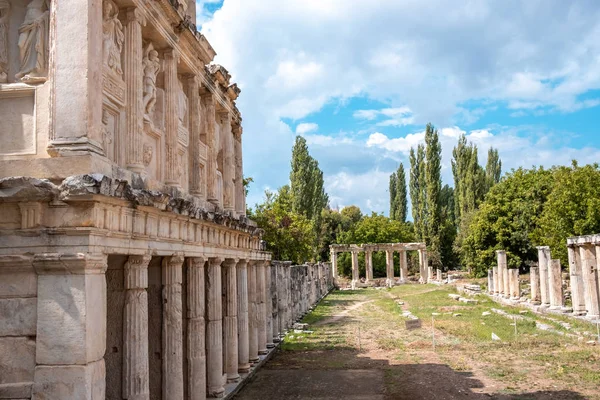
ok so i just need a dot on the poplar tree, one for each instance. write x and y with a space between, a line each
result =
401 201
393 200
493 168
422 232
433 187
415 192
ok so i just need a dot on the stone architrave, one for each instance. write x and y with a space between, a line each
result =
490 279
230 321
534 278
134 72
576 280
135 329
214 329
403 266
252 313
555 285
172 328
242 314
543 262
369 265
196 328
355 276
494 280
389 263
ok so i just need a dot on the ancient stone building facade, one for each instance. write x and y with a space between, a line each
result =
128 269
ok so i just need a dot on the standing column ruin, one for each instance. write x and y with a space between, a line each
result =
543 261
403 266
230 322
334 263
515 290
261 308
135 329
576 280
589 268
196 329
354 269
172 328
495 280
389 263
555 285
490 279
369 265
501 266
214 329
534 278
242 314
423 264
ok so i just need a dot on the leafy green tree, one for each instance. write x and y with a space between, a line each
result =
398 202
433 182
393 195
415 191
352 213
493 168
307 184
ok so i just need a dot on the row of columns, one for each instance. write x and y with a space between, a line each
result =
389 266
226 324
504 281
583 273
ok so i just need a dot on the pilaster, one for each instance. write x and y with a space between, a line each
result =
171 121
240 191
172 327
135 329
228 162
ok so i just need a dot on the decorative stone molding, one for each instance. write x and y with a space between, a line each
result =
31 214
69 264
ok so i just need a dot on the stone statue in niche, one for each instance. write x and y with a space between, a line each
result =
151 70
182 106
4 12
112 38
33 43
147 154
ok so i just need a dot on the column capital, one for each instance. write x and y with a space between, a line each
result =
70 263
136 272
242 262
171 54
214 261
134 14
196 262
230 262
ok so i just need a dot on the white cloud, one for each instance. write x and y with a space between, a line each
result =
399 116
306 127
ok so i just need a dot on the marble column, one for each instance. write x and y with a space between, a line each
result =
355 276
389 264
534 279
369 265
589 268
208 125
543 261
555 285
228 162
230 321
135 329
196 329
214 329
576 280
261 308
334 263
403 266
242 315
430 276
252 313
197 186
515 288
490 279
275 301
268 305
172 328
423 264
172 177
494 280
439 275
501 267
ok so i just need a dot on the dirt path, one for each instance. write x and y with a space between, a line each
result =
336 317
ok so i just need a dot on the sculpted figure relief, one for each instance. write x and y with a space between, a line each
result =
113 37
4 11
182 105
151 70
33 43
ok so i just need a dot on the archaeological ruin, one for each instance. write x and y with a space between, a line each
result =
389 248
547 284
128 267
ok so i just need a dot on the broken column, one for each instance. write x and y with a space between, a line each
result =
439 275
490 281
354 269
403 266
503 266
534 279
543 261
576 280
555 285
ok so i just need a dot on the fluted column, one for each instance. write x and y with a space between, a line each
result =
196 329
228 161
261 307
134 71
172 345
534 280
576 280
403 266
214 329
543 261
230 321
268 305
208 124
171 119
240 192
355 276
252 312
196 184
135 329
369 265
242 315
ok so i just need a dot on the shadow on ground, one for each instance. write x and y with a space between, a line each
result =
346 374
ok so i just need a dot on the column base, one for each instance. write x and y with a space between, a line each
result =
244 368
217 393
254 360
592 317
263 352
555 308
231 378
270 345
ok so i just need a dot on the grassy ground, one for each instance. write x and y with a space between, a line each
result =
354 328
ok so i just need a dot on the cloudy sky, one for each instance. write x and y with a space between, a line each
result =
360 79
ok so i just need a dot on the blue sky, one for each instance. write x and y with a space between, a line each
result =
360 82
